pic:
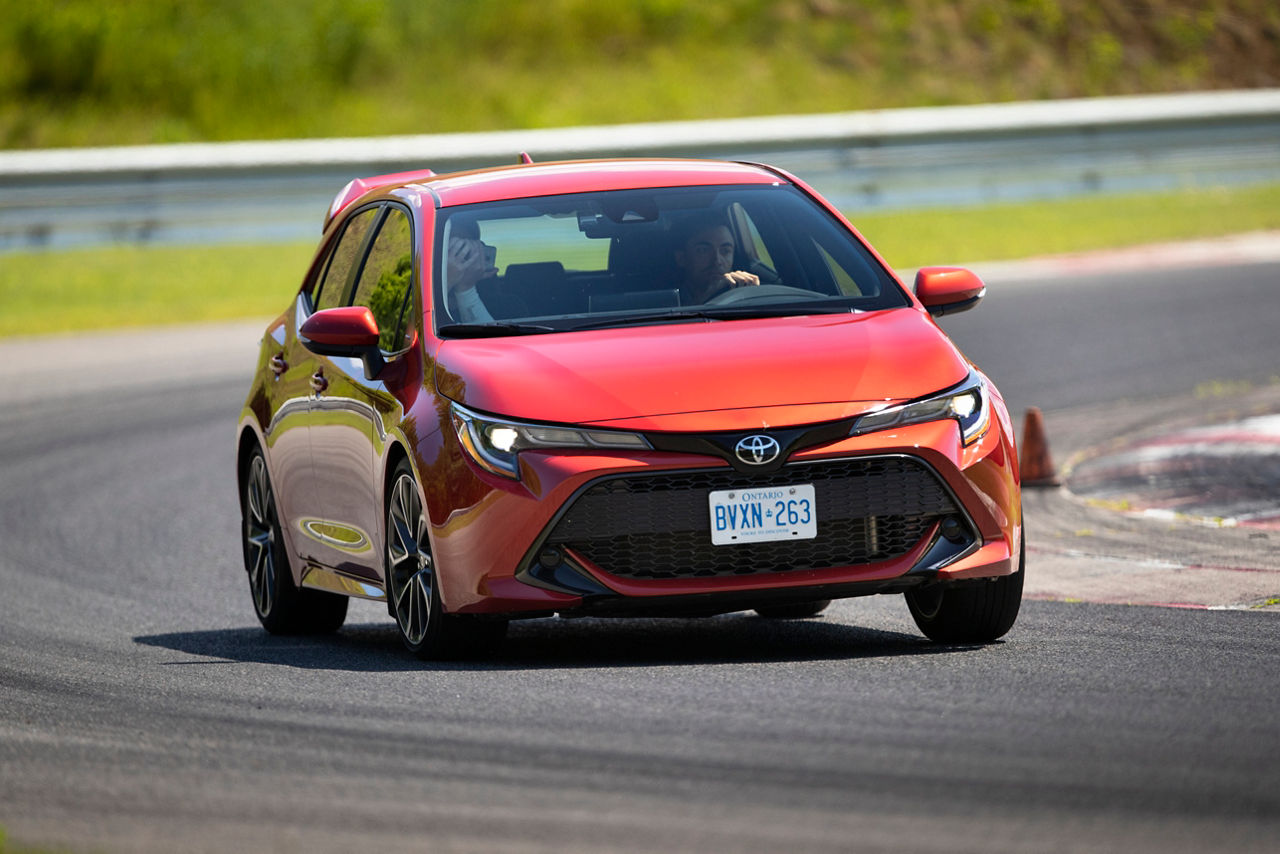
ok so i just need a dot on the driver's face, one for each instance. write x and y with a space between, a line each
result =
707 255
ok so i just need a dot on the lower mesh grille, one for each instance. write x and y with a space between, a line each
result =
658 526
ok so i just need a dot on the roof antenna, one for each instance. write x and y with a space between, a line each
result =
525 159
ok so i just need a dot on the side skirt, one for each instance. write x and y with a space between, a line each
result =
322 578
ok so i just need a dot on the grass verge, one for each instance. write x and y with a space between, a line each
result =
8 847
49 292
118 286
1025 230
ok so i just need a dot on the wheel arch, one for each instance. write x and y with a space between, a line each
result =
396 453
246 443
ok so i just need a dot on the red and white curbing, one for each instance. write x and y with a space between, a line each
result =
1205 474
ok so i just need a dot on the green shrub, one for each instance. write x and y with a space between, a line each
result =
76 72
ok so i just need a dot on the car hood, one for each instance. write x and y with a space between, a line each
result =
727 375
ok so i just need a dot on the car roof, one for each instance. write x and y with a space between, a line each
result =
582 176
526 180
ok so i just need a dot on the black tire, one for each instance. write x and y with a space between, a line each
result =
413 596
282 608
794 610
969 613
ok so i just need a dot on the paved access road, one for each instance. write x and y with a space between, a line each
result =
142 709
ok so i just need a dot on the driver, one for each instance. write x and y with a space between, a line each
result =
705 259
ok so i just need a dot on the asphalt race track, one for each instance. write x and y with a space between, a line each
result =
143 709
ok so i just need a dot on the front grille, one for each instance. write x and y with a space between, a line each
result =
658 526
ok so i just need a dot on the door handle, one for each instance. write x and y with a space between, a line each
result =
318 382
278 364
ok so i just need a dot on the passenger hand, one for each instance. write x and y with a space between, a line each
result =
466 264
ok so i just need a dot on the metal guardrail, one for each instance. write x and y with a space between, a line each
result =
863 161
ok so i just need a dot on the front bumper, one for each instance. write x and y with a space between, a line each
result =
627 534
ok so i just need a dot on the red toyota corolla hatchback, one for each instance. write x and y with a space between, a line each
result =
617 388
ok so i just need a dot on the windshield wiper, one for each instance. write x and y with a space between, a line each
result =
734 311
648 317
493 330
714 313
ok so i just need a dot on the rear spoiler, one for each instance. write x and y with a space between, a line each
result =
359 186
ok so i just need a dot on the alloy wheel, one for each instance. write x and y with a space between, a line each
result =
260 526
410 569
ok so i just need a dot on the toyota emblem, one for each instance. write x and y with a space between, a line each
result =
757 450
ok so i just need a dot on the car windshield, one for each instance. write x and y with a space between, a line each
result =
594 260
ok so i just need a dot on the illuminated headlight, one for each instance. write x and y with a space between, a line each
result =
966 404
494 443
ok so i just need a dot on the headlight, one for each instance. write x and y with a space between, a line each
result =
966 404
493 443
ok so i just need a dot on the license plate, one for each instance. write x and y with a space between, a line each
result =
763 515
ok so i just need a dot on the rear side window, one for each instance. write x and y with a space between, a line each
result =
385 281
331 292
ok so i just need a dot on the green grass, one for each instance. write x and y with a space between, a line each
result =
87 72
998 232
8 847
46 292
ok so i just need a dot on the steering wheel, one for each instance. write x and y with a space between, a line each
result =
757 293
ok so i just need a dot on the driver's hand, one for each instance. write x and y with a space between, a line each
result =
739 279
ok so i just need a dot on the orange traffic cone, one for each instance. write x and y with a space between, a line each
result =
1036 464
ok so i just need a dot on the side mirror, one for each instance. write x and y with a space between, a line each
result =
948 290
348 331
